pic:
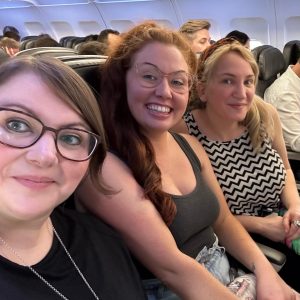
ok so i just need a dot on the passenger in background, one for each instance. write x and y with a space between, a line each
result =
92 47
242 136
240 36
197 34
11 32
284 95
110 38
51 135
10 46
167 204
45 40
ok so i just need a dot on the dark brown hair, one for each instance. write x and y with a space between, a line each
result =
124 134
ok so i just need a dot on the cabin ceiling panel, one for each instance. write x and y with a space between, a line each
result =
137 11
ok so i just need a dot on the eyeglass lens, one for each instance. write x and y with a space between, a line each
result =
151 76
20 130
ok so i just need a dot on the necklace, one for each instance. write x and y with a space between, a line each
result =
41 277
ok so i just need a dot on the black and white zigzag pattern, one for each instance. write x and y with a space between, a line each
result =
249 180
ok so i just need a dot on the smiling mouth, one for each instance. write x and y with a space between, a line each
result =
159 108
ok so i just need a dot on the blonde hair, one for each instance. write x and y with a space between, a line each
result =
189 28
258 120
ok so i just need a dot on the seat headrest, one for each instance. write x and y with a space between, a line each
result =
270 61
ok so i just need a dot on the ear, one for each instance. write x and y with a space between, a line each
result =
201 91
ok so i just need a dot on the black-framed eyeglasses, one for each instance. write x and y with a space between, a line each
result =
21 130
151 76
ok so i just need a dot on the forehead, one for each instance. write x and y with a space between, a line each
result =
233 63
167 57
30 91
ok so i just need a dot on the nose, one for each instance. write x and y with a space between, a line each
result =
240 91
43 153
163 89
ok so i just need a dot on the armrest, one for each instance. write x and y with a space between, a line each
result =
276 258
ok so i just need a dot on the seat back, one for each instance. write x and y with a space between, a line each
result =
271 65
51 51
89 68
291 52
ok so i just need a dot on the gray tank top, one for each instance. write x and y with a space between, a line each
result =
196 211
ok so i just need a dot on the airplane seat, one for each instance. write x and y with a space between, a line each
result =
89 68
27 43
271 65
291 52
51 51
64 39
77 41
70 41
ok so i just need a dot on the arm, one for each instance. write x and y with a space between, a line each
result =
289 196
146 234
238 243
288 107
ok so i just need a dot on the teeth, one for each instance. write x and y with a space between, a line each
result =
159 108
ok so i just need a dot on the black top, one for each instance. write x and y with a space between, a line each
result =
97 250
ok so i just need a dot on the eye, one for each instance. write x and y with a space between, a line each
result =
178 82
70 139
18 126
149 77
249 82
227 81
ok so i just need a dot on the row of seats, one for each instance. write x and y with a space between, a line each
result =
272 63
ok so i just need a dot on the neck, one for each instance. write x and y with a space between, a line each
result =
31 242
216 128
296 69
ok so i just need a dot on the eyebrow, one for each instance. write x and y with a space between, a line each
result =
29 111
233 75
149 63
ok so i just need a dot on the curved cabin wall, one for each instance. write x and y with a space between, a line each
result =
272 22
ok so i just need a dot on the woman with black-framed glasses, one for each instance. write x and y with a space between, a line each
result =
51 136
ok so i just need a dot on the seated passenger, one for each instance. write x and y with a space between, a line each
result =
240 36
10 46
44 40
284 95
167 203
92 47
197 34
110 38
48 252
11 32
242 136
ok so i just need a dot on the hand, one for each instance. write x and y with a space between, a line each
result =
273 228
292 231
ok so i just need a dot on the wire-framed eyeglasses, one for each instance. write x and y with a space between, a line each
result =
21 130
151 76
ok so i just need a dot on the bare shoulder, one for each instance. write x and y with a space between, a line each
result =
196 147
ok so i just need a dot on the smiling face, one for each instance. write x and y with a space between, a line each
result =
230 90
160 107
34 180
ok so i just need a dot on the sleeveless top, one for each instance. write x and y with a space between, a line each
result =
250 181
196 213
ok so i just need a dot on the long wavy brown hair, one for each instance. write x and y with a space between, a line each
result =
124 134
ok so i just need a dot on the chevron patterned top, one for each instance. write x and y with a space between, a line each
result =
250 181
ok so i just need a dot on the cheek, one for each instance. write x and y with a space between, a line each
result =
75 173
